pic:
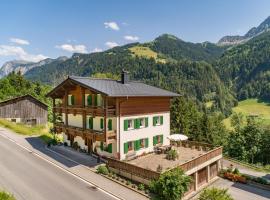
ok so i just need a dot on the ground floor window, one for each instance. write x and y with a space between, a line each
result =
158 139
13 120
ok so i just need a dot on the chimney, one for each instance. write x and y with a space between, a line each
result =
124 76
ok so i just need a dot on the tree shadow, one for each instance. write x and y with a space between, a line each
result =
63 155
252 189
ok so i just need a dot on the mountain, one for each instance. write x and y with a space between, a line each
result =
10 66
255 31
24 66
246 68
166 62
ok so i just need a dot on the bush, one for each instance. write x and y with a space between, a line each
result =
141 187
6 196
172 155
236 171
215 194
261 181
102 170
171 185
128 182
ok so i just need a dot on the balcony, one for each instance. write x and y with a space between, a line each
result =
93 110
88 133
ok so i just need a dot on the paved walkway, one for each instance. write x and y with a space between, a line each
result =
246 170
78 168
240 191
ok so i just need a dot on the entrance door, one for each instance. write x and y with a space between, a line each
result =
90 145
71 140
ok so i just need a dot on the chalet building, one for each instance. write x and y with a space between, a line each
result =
24 109
118 119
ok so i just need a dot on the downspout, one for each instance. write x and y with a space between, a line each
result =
119 114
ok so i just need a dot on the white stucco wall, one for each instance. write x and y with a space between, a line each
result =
65 139
64 118
149 132
96 123
75 120
80 142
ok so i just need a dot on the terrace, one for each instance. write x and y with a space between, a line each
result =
192 157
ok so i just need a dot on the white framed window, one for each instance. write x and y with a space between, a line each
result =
142 122
130 146
157 120
130 124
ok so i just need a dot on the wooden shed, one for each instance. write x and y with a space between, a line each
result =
24 109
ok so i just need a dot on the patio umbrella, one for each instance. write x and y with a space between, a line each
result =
177 137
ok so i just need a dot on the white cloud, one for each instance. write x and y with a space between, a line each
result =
73 48
19 41
96 50
20 53
112 25
111 44
131 38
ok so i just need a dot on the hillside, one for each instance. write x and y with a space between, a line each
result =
156 63
252 107
246 68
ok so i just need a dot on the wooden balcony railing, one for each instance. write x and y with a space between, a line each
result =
98 135
95 110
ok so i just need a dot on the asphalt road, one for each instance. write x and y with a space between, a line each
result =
29 177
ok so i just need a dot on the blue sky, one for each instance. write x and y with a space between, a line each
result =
35 29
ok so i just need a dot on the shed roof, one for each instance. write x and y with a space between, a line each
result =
20 98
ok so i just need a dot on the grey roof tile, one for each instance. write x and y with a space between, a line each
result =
117 89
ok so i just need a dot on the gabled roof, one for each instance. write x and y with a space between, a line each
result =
115 88
20 98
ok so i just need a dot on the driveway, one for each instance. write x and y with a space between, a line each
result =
240 191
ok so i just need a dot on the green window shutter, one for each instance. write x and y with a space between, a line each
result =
138 144
154 121
146 142
137 123
90 122
125 147
72 100
135 145
154 140
101 146
110 148
161 139
125 125
89 100
101 123
110 124
146 122
161 120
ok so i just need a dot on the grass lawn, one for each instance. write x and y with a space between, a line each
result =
252 107
146 52
41 131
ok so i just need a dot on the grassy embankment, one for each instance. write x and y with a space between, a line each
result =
252 107
40 131
6 196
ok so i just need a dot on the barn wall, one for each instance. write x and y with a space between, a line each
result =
24 110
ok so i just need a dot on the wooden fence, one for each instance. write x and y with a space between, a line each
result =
132 169
201 159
